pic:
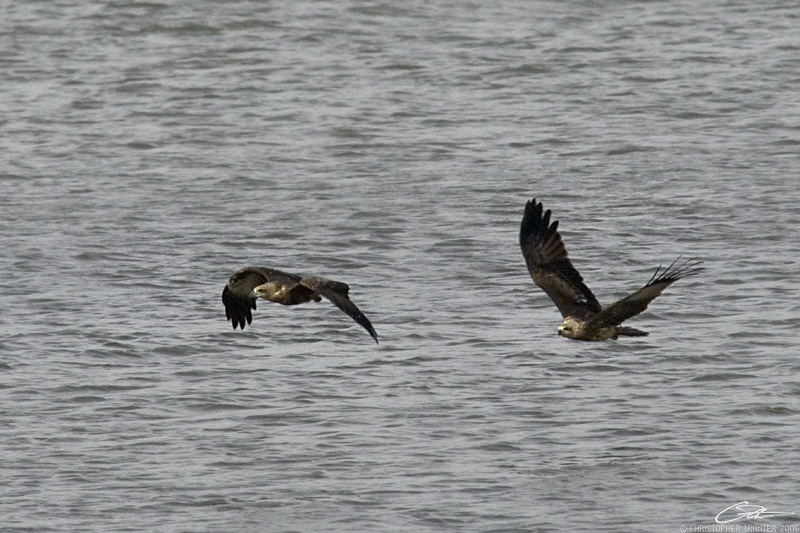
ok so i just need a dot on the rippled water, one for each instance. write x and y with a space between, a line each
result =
151 149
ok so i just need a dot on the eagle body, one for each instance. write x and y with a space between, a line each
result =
285 294
576 329
553 272
250 283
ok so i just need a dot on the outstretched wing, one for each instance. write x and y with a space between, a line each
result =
238 293
550 267
337 292
632 305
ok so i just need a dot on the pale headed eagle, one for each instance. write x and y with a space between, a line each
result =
584 318
251 282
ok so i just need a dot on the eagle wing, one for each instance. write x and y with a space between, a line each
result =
550 267
337 292
238 293
618 312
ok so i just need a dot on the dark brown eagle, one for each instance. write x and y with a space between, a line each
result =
250 283
584 318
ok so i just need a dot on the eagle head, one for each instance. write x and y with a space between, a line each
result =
571 328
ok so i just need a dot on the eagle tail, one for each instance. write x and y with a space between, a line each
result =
625 331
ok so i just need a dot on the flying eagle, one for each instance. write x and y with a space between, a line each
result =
584 318
250 283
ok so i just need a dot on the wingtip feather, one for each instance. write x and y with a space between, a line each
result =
675 271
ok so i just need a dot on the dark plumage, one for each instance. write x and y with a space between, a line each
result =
552 271
250 283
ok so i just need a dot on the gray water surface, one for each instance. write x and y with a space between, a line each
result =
149 150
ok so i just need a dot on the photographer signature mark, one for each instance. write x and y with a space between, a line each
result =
745 511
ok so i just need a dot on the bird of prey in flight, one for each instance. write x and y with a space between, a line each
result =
584 318
251 282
